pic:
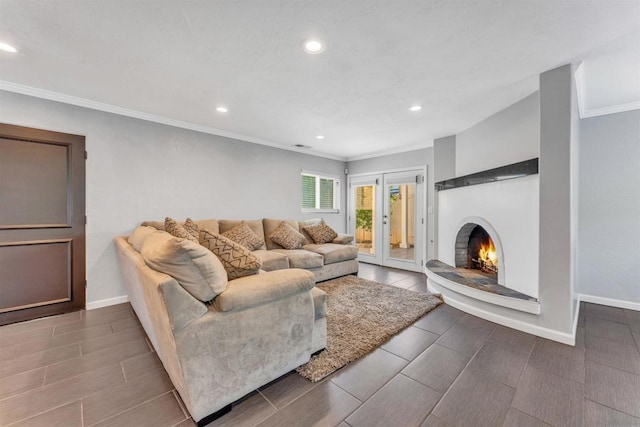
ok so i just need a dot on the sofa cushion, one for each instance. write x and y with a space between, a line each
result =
270 225
254 225
287 236
299 258
139 235
236 259
209 224
319 303
271 260
343 239
321 233
305 223
172 227
193 266
244 236
333 252
247 292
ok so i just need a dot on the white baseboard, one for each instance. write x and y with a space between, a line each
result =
610 302
107 302
551 334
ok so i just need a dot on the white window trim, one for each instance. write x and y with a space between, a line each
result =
337 187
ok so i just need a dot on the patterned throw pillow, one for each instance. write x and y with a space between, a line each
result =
287 237
177 230
244 236
321 233
192 228
235 258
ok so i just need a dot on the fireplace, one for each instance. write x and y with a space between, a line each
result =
475 250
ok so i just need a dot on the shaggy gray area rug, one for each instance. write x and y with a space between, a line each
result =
361 316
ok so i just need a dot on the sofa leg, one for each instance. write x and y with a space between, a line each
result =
212 417
318 352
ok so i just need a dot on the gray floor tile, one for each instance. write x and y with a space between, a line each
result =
516 418
365 376
69 415
437 367
32 402
21 382
7 352
142 364
420 287
92 319
409 282
402 402
112 339
410 342
604 312
559 359
433 421
468 335
251 411
613 353
549 398
475 401
498 363
109 402
54 341
633 319
163 411
40 359
613 388
287 389
513 339
597 415
325 405
636 337
613 331
88 362
186 423
440 319
130 322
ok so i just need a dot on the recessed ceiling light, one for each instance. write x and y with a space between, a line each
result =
8 48
222 109
313 46
320 137
416 108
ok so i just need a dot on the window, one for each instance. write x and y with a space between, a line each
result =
320 193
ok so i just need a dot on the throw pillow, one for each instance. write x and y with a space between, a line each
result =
177 230
321 233
244 236
197 270
237 260
287 237
192 228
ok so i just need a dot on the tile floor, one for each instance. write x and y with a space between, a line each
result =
449 368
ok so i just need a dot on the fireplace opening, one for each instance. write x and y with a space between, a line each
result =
476 250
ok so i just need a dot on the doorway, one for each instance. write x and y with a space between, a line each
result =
386 217
42 223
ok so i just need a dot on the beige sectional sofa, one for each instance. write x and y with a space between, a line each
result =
256 330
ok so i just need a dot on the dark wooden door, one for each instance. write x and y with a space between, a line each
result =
42 223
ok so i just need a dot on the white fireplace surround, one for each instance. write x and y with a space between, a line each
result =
509 212
475 221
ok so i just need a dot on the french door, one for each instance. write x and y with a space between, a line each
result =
386 216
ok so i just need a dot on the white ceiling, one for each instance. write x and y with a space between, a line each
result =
175 61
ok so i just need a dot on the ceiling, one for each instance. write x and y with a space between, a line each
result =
176 61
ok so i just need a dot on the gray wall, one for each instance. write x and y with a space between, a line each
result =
556 240
406 160
444 158
609 225
139 170
509 136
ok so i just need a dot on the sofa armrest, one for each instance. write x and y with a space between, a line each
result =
181 306
343 239
251 291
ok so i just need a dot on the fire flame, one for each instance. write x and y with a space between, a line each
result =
487 253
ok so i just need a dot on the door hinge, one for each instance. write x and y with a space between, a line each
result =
85 220
85 284
86 155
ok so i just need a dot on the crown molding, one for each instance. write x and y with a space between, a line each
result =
406 149
127 112
601 111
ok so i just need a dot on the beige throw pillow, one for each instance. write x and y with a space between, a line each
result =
197 270
139 235
177 230
244 236
236 259
287 237
321 233
192 228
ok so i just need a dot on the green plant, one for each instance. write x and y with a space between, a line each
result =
364 219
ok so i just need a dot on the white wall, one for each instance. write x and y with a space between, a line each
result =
509 136
609 206
139 170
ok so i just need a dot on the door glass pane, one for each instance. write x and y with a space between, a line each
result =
365 219
402 221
